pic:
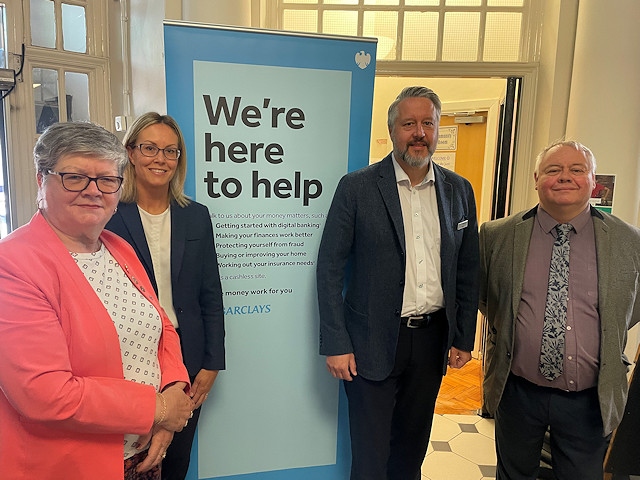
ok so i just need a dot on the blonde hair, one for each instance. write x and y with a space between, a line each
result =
176 185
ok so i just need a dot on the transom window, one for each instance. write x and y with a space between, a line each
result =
60 94
421 30
59 25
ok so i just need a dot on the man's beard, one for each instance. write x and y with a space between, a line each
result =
415 161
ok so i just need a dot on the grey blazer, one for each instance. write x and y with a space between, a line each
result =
363 248
504 245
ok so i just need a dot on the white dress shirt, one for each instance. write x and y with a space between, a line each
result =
423 280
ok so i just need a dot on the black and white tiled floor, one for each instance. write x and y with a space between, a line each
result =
461 448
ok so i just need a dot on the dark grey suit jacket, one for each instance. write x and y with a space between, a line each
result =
504 246
363 247
195 281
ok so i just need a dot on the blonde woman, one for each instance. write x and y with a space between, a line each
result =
173 239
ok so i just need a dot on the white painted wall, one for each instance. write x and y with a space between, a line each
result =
604 104
147 57
146 46
603 108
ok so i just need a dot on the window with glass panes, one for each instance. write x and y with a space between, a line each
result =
59 94
420 30
64 76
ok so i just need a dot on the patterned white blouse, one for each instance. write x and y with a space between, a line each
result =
137 322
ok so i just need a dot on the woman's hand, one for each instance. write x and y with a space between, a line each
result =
201 386
174 408
160 440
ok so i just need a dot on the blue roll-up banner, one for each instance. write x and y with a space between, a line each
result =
272 120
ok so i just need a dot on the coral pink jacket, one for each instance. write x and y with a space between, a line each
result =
64 404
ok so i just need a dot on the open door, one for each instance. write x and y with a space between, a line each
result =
503 174
507 131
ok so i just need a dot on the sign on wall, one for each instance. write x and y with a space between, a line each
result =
448 138
445 159
272 121
602 194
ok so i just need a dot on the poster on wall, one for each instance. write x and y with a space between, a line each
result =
602 193
445 159
448 138
272 121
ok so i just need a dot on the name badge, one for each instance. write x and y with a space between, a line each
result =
463 224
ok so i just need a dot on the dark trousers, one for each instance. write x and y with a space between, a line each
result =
176 464
575 424
390 420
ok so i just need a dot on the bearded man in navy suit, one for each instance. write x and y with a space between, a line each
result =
402 236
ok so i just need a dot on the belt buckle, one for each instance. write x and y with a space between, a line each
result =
410 323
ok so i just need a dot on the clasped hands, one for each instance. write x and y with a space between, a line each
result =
174 412
174 408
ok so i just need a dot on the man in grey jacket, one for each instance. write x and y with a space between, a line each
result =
559 287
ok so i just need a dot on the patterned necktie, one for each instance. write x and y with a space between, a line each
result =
555 311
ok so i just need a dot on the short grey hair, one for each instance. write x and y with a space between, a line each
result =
588 154
412 92
77 138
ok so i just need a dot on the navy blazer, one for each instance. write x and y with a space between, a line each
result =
364 230
195 281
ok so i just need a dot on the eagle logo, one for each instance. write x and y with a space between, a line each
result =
363 59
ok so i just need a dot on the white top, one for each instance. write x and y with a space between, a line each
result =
423 279
157 230
137 322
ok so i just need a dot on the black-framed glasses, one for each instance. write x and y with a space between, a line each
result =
150 150
77 182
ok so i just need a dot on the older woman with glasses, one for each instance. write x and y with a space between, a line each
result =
173 238
92 383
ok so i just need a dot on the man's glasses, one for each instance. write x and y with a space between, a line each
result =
76 182
149 150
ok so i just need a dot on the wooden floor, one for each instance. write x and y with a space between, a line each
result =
461 390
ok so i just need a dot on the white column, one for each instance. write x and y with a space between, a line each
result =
147 47
604 104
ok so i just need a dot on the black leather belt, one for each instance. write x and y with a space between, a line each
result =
421 321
